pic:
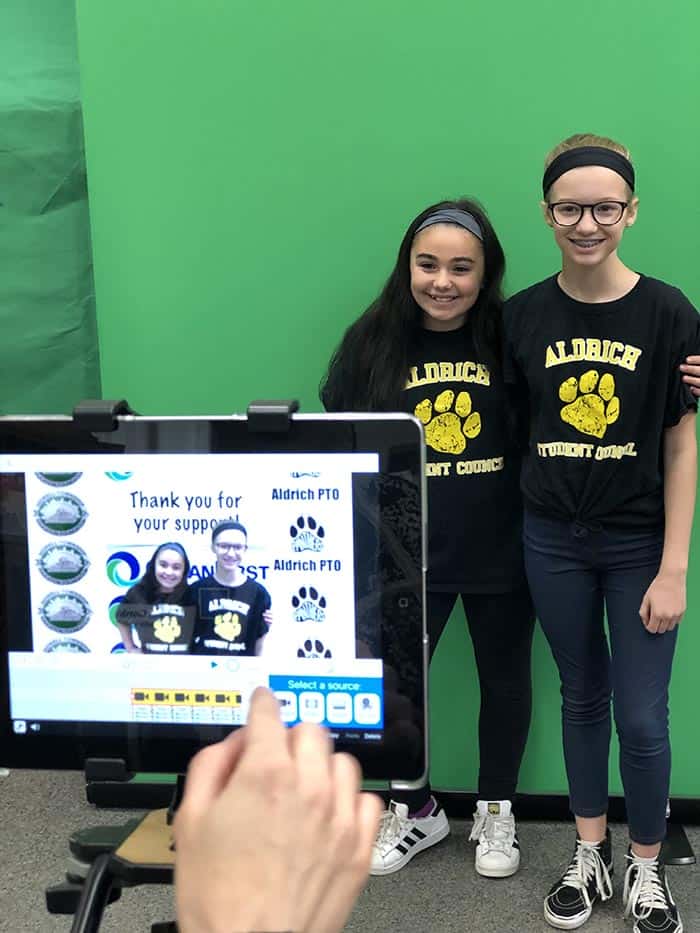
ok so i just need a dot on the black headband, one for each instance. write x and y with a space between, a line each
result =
587 155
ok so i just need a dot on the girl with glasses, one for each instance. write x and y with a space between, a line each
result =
609 481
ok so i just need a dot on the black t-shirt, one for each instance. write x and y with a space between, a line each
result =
164 624
603 384
229 618
474 503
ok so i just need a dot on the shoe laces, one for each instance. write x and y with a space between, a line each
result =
493 832
391 826
586 866
647 892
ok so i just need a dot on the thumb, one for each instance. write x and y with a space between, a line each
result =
645 609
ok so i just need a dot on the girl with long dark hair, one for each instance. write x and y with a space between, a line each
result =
430 344
158 606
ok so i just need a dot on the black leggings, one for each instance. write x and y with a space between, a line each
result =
501 626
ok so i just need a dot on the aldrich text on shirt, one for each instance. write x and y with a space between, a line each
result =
592 350
432 373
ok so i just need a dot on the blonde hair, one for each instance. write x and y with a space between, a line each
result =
585 139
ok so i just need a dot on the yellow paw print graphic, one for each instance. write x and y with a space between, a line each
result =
447 427
591 403
167 629
227 626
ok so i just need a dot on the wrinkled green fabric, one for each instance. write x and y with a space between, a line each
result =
49 357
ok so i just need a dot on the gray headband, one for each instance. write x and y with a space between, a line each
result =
171 546
451 215
587 155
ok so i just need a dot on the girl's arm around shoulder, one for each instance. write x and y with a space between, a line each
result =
266 605
691 374
665 601
690 322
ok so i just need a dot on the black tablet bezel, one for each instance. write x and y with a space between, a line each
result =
398 439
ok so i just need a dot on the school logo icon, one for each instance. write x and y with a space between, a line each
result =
65 612
69 645
591 403
314 648
58 479
122 568
227 625
298 474
167 629
307 534
60 513
449 422
308 605
62 563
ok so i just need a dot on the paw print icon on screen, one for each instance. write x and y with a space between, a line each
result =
307 534
308 605
449 421
591 403
314 648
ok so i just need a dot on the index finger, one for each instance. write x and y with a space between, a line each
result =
265 731
209 772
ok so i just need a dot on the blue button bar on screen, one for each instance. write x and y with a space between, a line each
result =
336 702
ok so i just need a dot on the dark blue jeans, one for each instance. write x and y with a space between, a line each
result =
578 574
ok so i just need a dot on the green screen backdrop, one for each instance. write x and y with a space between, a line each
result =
252 167
47 299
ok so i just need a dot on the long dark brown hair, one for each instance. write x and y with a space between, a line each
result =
368 370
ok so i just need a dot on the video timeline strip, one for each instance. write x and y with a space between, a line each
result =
219 698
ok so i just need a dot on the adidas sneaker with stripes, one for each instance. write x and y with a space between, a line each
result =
401 836
497 847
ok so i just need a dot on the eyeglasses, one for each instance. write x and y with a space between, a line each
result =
569 213
222 546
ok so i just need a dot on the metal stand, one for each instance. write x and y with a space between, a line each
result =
104 860
676 849
108 783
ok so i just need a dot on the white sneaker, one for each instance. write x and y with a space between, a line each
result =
498 849
400 837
